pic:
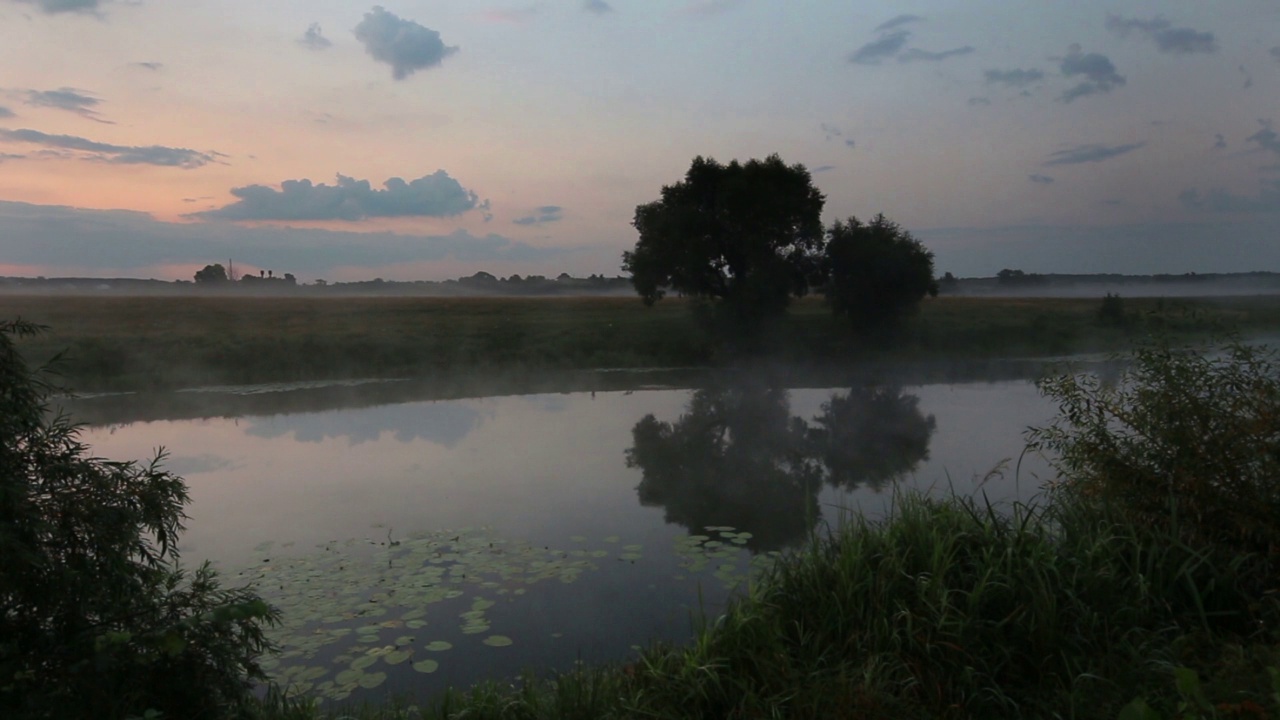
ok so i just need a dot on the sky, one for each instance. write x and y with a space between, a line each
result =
430 139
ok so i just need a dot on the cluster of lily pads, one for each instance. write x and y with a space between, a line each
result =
355 611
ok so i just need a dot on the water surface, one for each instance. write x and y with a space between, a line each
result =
478 537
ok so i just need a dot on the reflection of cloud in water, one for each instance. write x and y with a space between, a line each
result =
442 423
184 465
549 403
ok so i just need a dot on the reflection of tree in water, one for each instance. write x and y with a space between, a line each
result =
734 459
739 458
871 436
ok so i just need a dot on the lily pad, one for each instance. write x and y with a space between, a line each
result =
369 681
426 666
497 641
395 657
438 646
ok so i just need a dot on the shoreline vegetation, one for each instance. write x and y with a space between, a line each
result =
162 343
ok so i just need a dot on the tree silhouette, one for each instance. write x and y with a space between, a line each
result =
212 274
746 236
877 273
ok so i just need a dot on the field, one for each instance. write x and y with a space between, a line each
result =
157 342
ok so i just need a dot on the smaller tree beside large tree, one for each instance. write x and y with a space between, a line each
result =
877 273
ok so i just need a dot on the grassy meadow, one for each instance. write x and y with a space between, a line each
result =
157 342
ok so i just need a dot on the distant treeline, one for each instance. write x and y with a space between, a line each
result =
479 284
1007 282
1018 283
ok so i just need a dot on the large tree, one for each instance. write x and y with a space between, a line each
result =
214 273
747 236
876 272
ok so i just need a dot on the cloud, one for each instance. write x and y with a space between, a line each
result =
1218 200
599 7
975 101
1185 41
544 214
1040 179
1015 78
45 235
1219 142
115 154
11 156
831 132
435 195
1089 153
1100 75
60 6
1170 40
1248 78
898 21
69 99
5 112
1275 53
886 46
916 54
403 44
153 66
1126 26
1266 138
314 39
822 169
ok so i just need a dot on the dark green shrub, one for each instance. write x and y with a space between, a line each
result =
1111 311
1188 440
96 617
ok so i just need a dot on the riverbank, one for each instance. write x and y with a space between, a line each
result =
1142 584
949 608
141 343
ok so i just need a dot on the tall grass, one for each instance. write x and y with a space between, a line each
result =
138 343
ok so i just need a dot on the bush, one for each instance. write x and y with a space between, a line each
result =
97 619
1111 311
1188 439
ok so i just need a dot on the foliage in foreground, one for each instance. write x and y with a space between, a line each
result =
96 617
1108 599
1188 440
